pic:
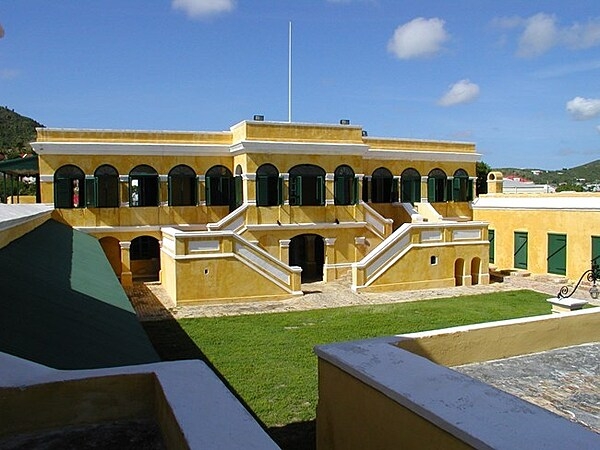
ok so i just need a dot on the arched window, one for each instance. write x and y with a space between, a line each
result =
69 187
219 182
462 187
307 185
384 188
410 181
103 190
143 186
268 186
182 186
436 186
344 186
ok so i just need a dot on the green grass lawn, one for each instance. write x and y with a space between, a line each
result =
268 359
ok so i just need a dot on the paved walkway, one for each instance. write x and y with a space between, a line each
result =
565 381
153 303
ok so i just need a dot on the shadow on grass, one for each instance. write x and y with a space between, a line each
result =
172 343
295 436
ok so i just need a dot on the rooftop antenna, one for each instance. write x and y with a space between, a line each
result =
290 72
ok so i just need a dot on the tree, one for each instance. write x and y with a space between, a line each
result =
482 170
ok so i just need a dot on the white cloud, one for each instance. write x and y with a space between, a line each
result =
462 91
203 8
583 108
539 36
582 36
418 38
542 32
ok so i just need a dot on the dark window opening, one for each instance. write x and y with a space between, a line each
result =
307 185
437 186
143 186
268 186
183 186
344 186
69 187
219 186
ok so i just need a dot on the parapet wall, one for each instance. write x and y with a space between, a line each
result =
375 394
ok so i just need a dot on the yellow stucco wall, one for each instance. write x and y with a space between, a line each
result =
504 339
345 401
579 226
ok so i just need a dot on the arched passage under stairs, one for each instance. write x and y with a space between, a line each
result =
308 252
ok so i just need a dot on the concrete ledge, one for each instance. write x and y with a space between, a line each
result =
471 412
562 305
191 406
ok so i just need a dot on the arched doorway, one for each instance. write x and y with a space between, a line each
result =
436 186
308 252
475 269
143 186
459 271
268 186
384 188
410 181
145 258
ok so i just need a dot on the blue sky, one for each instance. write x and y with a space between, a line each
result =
521 79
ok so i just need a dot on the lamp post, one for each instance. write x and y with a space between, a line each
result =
592 275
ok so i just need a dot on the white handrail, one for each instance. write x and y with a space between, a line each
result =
232 221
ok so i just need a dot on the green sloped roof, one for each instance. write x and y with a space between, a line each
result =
62 305
27 166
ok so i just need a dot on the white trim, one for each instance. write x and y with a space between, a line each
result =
551 202
304 226
422 155
303 148
128 148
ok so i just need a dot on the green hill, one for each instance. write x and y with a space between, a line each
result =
16 132
586 173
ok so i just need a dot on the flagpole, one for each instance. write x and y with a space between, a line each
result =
290 72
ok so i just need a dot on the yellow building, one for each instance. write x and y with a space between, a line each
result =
543 234
255 211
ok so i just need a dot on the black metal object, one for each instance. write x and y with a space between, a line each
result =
592 275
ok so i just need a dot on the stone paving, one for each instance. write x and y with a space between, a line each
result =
153 303
565 381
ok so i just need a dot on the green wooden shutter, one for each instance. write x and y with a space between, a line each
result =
431 190
596 249
455 192
91 192
262 197
354 199
470 190
492 239
280 190
208 190
63 198
320 190
340 196
557 254
520 254
395 191
296 190
238 191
